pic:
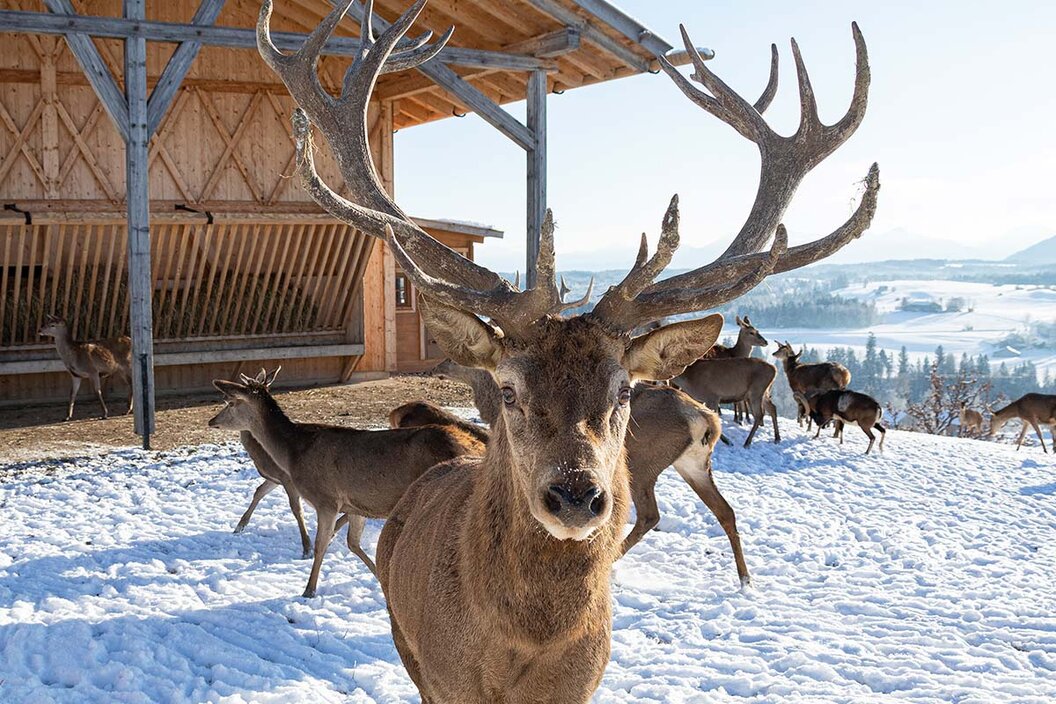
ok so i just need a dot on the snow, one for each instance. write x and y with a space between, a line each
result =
923 575
997 310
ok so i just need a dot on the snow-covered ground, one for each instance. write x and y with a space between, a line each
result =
996 312
925 574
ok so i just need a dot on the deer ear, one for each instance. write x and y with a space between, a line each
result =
463 336
666 352
738 320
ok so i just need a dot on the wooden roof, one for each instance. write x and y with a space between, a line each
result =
601 50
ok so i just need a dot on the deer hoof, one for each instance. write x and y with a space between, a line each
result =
309 593
238 529
746 581
307 554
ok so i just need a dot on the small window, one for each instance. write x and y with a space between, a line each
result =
404 292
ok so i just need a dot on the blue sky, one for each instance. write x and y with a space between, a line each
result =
962 119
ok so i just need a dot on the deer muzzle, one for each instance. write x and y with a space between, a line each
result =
572 505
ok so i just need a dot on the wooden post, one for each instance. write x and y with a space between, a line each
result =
140 279
536 170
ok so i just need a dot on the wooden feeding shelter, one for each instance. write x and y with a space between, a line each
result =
145 162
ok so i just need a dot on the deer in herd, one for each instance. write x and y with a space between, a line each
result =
807 379
496 570
971 421
748 337
418 413
94 361
338 470
733 380
667 428
846 408
1031 409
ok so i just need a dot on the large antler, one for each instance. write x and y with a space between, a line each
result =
784 163
436 269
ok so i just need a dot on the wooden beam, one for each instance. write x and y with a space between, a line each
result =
179 64
175 359
591 33
637 32
140 280
236 38
536 171
550 45
87 55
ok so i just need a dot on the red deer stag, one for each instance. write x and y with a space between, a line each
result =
846 408
94 361
496 570
1031 409
808 379
361 473
667 428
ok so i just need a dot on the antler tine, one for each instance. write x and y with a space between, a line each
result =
808 104
644 270
852 229
573 304
563 290
770 91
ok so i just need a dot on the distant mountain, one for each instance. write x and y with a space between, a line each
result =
900 243
1043 252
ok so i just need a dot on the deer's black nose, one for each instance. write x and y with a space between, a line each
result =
560 497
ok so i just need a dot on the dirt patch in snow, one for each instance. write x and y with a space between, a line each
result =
29 434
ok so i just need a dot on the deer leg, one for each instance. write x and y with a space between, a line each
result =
324 531
773 417
294 497
131 399
699 478
356 523
883 434
410 663
648 514
757 415
1022 434
837 429
1041 438
263 490
817 433
75 386
869 434
97 385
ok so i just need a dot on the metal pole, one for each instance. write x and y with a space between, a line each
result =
140 281
536 170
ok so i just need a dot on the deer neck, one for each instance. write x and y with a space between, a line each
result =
278 435
66 346
535 589
742 348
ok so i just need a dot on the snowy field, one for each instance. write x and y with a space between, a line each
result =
997 311
924 575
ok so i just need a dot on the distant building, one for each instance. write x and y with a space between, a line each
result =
920 303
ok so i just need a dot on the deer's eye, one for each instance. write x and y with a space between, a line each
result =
624 397
509 396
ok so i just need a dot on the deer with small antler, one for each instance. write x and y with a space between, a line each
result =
496 570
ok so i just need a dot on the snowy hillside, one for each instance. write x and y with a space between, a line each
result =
995 312
925 575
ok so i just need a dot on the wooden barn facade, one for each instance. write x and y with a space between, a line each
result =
145 178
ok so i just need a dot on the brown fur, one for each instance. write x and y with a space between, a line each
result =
748 337
94 361
667 428
808 379
418 413
715 381
1031 409
362 473
971 421
847 408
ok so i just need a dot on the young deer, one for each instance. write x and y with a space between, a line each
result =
748 337
715 381
1031 409
94 361
496 570
847 408
808 379
667 428
361 473
419 413
971 421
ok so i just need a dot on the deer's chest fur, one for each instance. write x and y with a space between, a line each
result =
483 621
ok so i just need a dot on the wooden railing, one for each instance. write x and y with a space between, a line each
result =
239 279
